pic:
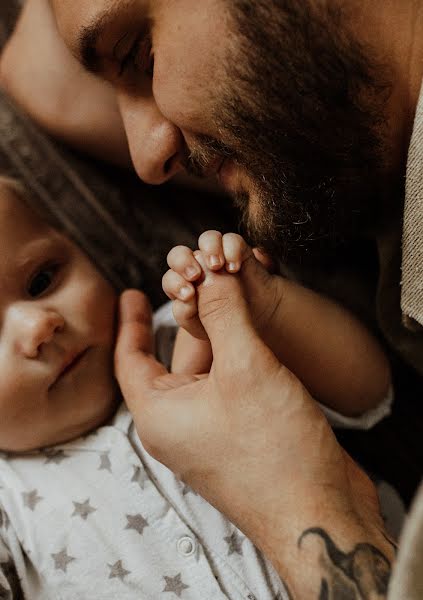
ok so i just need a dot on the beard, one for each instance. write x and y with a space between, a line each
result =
302 111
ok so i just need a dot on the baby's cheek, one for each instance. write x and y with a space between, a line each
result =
12 402
97 306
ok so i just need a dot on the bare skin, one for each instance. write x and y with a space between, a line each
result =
326 347
395 28
54 89
250 439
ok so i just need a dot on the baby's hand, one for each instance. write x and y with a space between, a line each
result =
227 251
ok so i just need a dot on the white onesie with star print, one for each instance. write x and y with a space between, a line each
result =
98 518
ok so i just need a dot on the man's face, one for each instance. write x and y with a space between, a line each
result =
56 334
279 100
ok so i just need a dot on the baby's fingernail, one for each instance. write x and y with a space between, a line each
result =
191 272
214 261
184 292
233 267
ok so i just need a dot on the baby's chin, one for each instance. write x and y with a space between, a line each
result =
29 441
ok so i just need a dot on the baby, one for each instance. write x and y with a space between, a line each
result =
85 512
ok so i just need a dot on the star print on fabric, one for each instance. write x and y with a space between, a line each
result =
31 499
61 560
136 522
251 597
175 585
105 464
139 476
54 456
234 542
117 571
83 509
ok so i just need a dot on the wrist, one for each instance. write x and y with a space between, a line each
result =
336 552
326 538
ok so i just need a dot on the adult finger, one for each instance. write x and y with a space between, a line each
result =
225 315
135 365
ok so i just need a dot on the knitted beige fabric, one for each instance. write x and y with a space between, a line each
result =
412 246
407 578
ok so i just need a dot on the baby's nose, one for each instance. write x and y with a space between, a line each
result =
37 327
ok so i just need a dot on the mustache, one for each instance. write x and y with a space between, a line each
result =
205 156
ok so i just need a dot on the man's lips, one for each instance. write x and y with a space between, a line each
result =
69 364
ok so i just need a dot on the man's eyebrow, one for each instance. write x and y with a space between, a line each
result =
88 40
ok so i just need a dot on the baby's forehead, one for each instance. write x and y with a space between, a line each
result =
19 223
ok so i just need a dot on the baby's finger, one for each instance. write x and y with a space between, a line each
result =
186 315
175 286
181 260
236 250
265 260
210 244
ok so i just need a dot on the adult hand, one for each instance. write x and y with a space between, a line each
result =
249 438
52 87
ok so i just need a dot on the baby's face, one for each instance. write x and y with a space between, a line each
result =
56 334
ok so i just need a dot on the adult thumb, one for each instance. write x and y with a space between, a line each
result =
225 315
135 365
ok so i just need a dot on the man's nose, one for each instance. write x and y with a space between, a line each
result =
34 326
155 143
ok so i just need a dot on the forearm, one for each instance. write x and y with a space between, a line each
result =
331 352
333 557
54 90
323 545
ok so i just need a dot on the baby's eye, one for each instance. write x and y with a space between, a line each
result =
42 280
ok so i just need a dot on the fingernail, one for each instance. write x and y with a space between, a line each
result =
233 266
191 272
214 261
184 292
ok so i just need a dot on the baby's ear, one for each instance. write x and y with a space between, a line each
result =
265 260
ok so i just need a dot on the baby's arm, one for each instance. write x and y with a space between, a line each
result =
329 350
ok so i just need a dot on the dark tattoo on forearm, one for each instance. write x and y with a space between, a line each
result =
362 574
